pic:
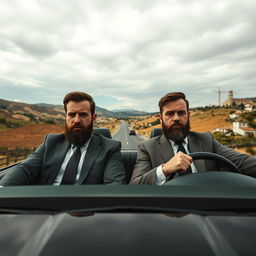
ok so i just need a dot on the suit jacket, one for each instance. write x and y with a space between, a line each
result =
158 150
102 163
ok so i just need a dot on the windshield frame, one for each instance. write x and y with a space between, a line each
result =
182 198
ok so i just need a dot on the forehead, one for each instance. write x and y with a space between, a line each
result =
179 104
82 106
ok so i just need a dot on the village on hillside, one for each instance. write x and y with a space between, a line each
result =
242 119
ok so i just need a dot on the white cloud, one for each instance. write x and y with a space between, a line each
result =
130 51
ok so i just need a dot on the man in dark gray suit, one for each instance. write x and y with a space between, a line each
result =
165 157
78 156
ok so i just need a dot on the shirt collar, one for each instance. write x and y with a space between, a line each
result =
84 146
173 142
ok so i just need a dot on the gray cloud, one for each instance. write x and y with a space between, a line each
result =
130 51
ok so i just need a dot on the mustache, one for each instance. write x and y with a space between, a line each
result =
76 126
177 123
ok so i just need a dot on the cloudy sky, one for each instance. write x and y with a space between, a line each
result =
127 54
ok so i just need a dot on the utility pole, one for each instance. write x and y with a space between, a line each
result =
219 95
219 92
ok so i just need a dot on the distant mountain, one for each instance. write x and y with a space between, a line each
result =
51 113
120 114
48 105
132 112
10 110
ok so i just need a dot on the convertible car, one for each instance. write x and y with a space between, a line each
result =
210 213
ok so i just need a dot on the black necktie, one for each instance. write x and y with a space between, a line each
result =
182 149
69 176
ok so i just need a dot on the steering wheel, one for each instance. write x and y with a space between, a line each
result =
217 158
233 178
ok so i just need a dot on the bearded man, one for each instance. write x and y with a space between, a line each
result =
166 156
77 157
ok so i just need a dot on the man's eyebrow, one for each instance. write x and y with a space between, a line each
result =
77 112
176 111
73 113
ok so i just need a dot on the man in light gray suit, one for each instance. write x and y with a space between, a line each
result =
166 156
79 156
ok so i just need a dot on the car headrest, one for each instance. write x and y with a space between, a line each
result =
156 132
129 160
103 131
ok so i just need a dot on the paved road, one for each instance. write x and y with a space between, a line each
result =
128 141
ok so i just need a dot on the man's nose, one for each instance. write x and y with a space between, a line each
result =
176 116
77 118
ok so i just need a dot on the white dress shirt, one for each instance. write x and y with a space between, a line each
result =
160 177
69 153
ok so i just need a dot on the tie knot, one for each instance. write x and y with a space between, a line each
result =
179 142
75 148
78 150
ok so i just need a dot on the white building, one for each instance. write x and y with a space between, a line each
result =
235 101
243 129
224 130
233 116
249 107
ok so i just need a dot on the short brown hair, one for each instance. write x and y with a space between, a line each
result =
78 97
170 97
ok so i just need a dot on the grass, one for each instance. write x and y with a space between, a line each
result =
3 128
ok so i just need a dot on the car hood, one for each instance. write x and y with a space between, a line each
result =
127 234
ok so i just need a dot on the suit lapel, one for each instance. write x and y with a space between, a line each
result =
165 149
90 157
57 159
194 145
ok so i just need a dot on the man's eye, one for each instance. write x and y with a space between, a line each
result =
181 113
71 114
82 114
170 113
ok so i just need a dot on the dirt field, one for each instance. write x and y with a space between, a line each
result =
208 121
29 136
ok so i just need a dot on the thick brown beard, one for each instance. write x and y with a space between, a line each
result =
78 138
176 134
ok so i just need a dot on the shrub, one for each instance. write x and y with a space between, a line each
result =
3 120
155 122
49 121
250 150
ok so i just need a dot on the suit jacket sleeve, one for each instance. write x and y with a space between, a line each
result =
26 171
245 163
143 172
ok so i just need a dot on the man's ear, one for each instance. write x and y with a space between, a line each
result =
94 117
160 118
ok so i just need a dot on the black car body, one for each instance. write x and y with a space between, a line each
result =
206 219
